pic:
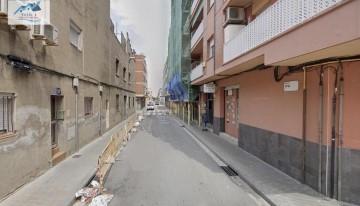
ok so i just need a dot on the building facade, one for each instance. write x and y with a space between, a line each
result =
140 81
282 77
56 99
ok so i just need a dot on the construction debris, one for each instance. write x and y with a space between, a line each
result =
101 200
88 193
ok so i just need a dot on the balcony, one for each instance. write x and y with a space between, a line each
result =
281 17
193 6
197 34
197 72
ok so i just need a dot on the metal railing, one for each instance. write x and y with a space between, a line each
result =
280 17
118 139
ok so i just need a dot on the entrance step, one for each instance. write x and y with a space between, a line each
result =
57 156
55 150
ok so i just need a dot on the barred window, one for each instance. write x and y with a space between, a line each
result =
88 105
6 113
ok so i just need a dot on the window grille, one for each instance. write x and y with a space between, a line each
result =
88 105
6 113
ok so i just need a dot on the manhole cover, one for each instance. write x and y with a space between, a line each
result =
76 156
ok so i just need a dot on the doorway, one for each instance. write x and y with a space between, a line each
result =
210 108
107 122
232 112
56 115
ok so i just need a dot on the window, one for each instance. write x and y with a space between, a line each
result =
129 102
6 113
133 101
211 48
118 103
129 78
124 74
117 69
88 105
75 36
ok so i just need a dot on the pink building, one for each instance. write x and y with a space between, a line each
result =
283 78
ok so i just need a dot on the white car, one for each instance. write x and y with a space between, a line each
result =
150 107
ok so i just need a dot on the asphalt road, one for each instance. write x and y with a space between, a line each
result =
163 165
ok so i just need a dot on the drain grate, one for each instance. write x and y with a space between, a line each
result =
76 156
229 171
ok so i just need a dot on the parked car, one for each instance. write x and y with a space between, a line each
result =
150 106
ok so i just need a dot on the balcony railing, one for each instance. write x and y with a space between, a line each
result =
197 72
280 17
196 35
193 6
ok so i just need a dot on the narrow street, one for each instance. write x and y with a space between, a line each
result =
163 165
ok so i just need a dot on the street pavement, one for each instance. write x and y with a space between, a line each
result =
164 165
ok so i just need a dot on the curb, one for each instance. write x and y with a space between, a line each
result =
252 186
72 202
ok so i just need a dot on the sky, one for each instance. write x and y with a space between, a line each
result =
147 23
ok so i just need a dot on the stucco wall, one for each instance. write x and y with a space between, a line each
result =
28 153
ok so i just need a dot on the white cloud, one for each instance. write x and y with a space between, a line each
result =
147 23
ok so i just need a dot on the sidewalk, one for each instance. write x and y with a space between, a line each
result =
273 185
57 187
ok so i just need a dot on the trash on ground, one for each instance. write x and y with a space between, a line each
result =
88 193
141 118
134 130
101 200
137 124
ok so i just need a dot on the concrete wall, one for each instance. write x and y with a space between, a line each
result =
28 153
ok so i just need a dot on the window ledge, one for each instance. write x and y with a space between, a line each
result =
7 135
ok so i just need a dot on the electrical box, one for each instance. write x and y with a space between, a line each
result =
76 82
291 86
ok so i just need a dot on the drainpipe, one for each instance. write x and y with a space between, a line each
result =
76 120
199 113
333 138
100 110
340 140
304 127
321 100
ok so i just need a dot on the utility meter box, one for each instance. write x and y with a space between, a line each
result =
291 86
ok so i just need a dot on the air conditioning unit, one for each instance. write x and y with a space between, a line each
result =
235 15
3 7
46 32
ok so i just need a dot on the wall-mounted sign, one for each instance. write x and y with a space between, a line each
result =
291 86
209 88
29 12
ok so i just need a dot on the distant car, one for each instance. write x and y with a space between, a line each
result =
150 107
156 103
